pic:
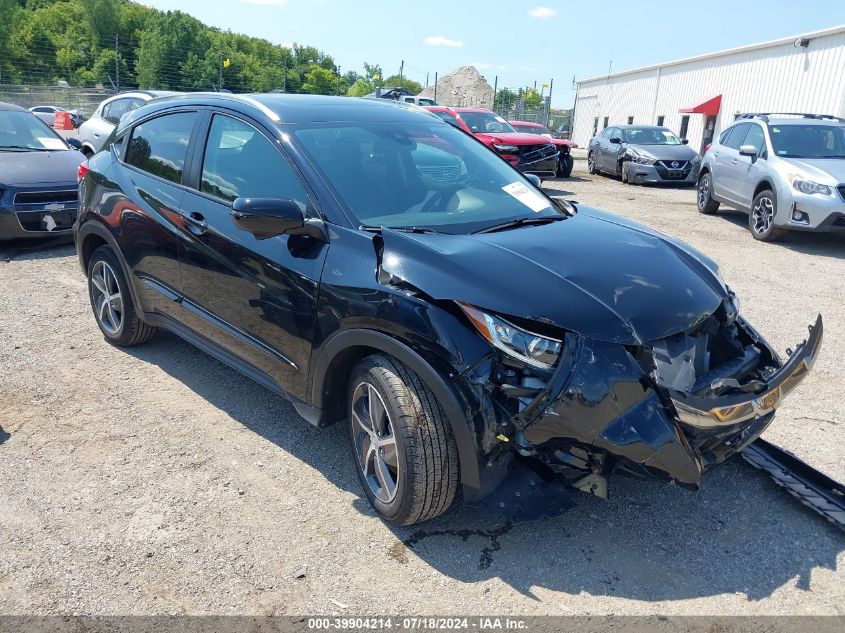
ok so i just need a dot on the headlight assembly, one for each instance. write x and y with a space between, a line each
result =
810 187
635 157
528 347
505 148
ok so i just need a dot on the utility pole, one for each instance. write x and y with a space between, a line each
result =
337 90
220 77
401 69
117 59
426 80
549 111
285 77
435 87
495 90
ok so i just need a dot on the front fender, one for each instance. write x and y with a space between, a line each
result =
468 455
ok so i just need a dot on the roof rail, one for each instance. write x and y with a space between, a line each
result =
805 115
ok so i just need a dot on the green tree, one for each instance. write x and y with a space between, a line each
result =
532 98
320 81
360 88
395 81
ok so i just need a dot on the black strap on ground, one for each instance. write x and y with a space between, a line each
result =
812 488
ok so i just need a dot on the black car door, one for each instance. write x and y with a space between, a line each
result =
254 298
143 205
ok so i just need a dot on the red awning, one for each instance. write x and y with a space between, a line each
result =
709 107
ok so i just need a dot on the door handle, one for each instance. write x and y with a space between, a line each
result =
735 161
196 220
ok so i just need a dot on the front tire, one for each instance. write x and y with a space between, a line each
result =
404 451
564 166
112 303
705 202
761 220
591 163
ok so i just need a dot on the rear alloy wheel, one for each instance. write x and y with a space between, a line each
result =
405 454
591 163
111 302
706 204
761 220
564 166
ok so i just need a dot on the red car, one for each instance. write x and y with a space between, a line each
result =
524 151
564 146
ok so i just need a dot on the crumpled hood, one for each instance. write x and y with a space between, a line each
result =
38 168
595 273
665 152
515 138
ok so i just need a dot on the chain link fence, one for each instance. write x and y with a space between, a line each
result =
85 100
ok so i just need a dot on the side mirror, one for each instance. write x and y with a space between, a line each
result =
267 217
534 179
616 140
75 143
684 141
748 150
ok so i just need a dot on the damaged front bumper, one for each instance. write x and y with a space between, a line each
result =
719 411
602 411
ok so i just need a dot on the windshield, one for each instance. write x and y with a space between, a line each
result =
23 131
808 141
650 136
532 129
480 122
425 175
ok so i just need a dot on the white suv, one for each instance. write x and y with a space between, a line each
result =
94 132
787 171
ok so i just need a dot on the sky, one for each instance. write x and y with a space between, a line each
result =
520 41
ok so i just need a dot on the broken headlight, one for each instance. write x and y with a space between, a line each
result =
526 346
635 157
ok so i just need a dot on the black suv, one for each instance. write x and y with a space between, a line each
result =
376 265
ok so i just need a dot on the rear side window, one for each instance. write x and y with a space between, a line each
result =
240 162
736 136
116 109
160 146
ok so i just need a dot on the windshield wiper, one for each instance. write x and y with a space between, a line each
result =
513 224
22 148
403 229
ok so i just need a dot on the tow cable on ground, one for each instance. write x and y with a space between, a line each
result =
811 487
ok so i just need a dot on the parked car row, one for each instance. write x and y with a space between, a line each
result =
48 115
786 171
546 158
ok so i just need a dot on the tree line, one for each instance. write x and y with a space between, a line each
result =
121 44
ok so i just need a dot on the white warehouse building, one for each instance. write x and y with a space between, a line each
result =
700 96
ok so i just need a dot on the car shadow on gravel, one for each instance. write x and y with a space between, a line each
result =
35 249
808 243
649 541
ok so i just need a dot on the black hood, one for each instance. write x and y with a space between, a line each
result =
39 168
595 273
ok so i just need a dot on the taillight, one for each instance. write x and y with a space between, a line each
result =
707 148
81 171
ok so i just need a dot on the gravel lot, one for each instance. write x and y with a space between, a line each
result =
156 480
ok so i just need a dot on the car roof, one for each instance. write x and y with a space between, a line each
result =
11 107
639 127
473 110
527 123
296 108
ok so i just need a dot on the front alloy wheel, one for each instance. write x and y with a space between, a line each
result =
405 454
761 220
374 442
106 298
591 163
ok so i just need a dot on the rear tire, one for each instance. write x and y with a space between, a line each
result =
706 204
761 220
407 460
112 303
564 166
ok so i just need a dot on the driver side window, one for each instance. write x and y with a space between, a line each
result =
240 162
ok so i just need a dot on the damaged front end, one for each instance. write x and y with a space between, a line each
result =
666 409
